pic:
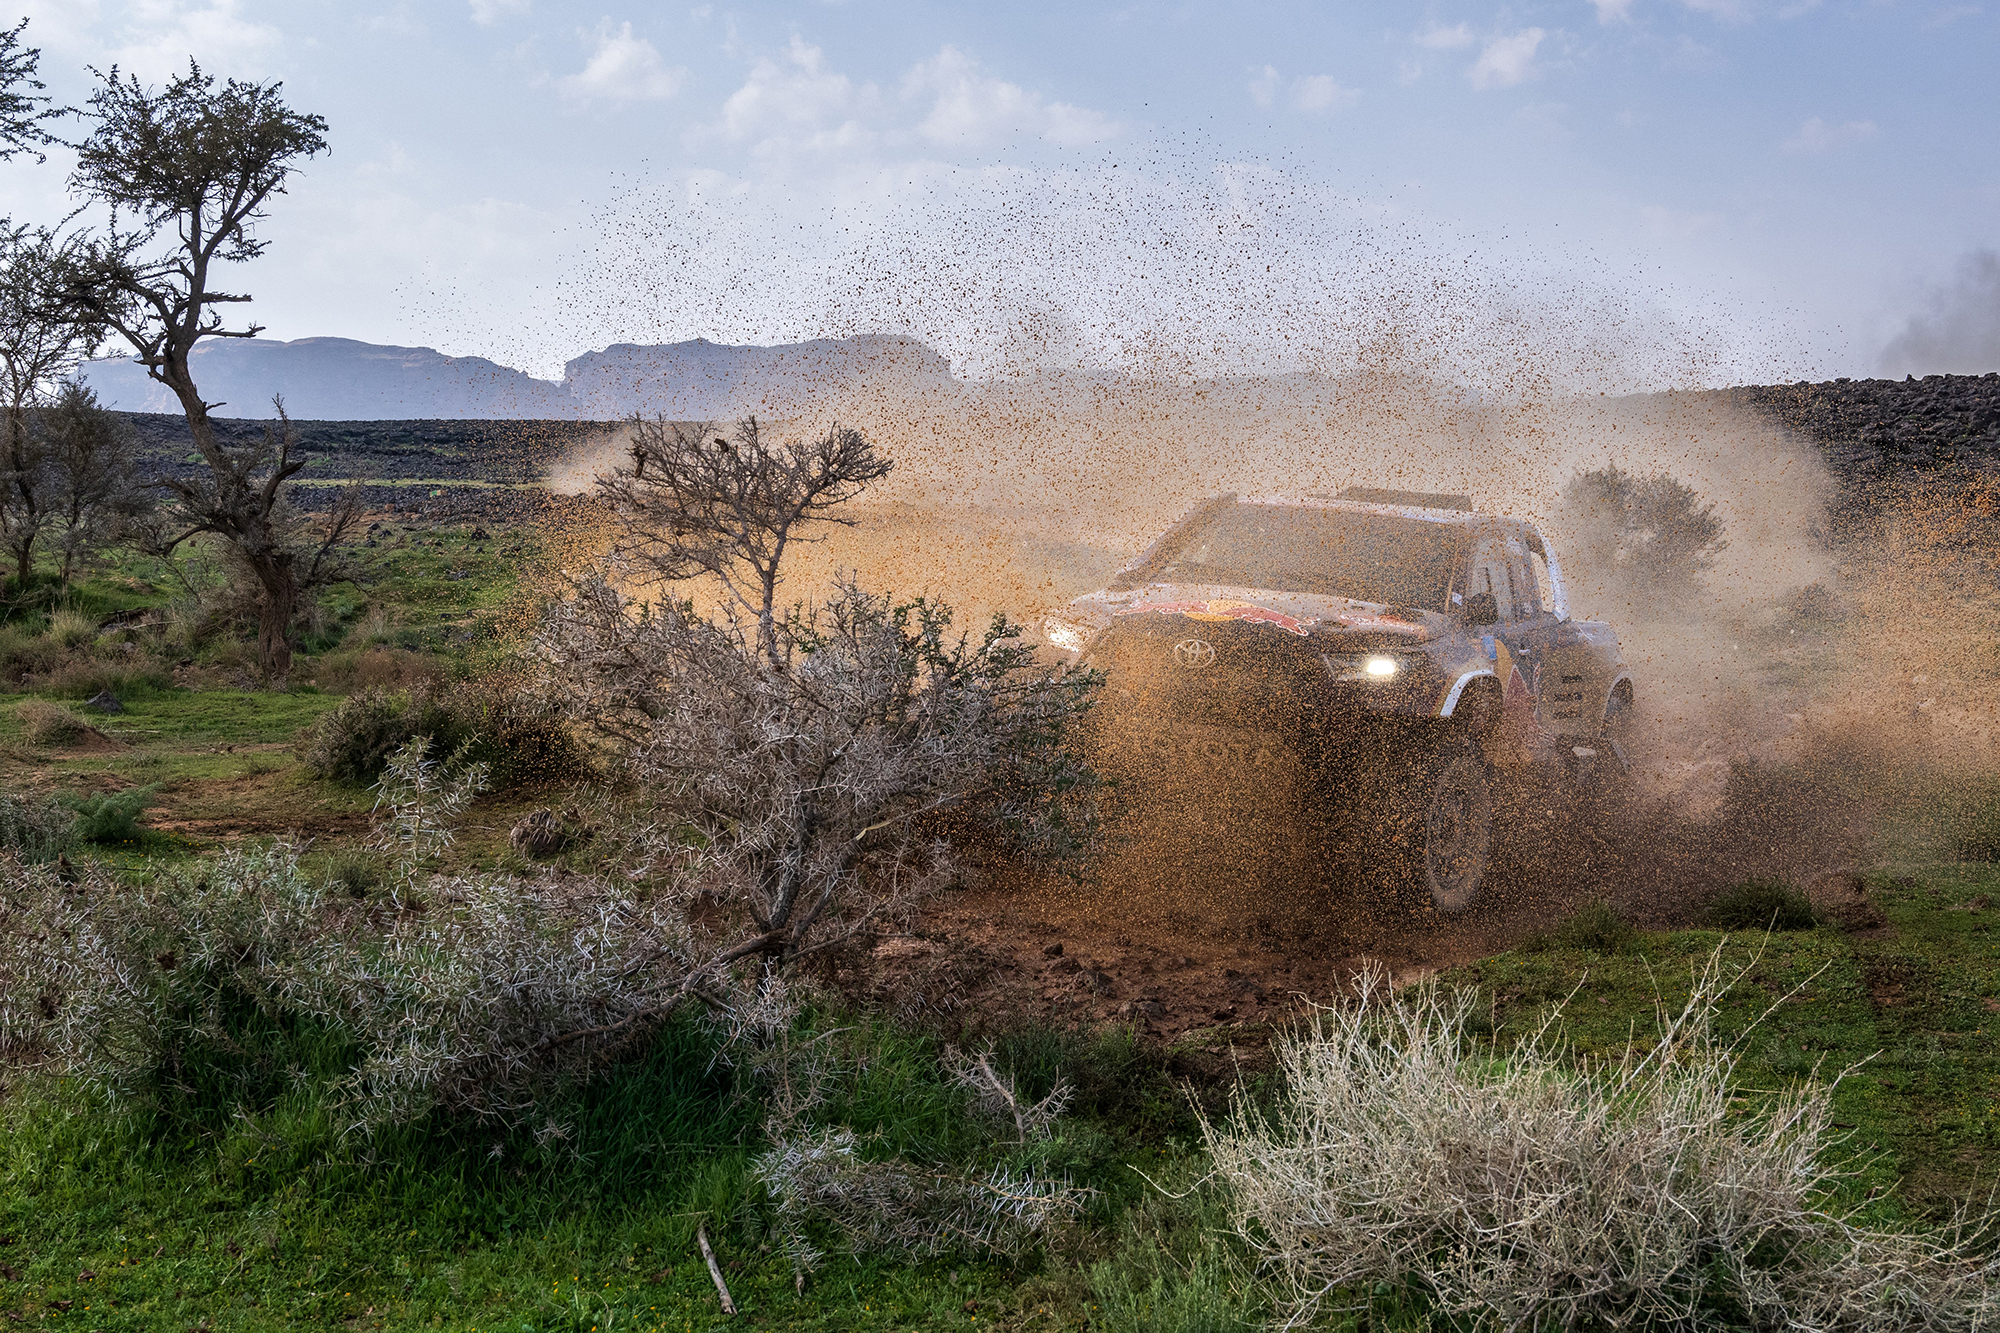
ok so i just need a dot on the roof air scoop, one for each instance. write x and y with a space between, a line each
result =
1370 495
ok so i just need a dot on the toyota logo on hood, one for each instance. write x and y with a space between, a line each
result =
1194 654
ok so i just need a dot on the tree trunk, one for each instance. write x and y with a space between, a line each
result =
275 609
248 529
24 561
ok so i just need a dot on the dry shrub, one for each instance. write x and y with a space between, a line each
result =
520 739
798 780
1532 1189
71 628
23 655
477 1001
995 1199
52 724
35 829
348 671
352 742
86 678
889 1203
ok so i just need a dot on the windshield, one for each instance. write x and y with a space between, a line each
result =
1333 552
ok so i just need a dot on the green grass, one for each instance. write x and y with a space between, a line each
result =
454 1228
268 1220
1915 1005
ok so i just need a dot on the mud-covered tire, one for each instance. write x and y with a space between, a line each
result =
1614 743
1443 813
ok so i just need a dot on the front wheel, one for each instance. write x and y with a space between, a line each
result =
1457 830
1435 842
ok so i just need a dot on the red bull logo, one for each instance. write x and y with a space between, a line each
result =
1225 610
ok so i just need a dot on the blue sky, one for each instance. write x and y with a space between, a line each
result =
1748 188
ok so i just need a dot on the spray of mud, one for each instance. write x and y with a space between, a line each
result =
1779 717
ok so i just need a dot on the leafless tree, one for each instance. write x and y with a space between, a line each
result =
41 344
194 166
698 502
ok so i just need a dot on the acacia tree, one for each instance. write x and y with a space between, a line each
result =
24 115
730 507
42 342
193 166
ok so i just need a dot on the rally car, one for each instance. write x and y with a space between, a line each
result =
1399 632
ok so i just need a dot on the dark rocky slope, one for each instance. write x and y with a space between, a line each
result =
1872 430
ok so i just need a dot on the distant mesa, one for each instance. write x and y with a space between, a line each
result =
339 379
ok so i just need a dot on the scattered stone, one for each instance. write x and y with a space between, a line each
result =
1053 951
1066 965
546 833
1099 981
104 702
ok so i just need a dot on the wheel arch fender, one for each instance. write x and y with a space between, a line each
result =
1463 683
1620 688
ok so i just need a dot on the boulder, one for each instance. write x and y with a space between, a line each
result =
546 833
104 701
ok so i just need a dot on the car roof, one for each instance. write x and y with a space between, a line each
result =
1464 518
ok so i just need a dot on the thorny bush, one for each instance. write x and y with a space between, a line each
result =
800 766
1527 1189
477 995
806 788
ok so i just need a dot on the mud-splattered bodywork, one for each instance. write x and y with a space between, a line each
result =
1302 616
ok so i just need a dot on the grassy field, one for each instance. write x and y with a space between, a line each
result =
225 1217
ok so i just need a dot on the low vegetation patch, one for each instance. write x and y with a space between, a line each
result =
52 725
1761 904
112 817
520 742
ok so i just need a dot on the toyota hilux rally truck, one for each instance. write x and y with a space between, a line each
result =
1398 642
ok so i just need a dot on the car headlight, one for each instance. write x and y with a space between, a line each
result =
1069 637
1367 668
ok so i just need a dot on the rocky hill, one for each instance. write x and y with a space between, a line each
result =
338 379
1871 429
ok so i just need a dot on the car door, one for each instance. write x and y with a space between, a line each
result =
1569 675
1498 565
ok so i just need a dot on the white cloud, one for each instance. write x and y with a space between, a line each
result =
623 67
1318 92
492 11
1507 60
1310 93
797 104
159 36
1613 11
970 107
1264 87
1820 136
1436 37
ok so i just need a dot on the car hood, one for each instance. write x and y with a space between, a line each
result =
1290 612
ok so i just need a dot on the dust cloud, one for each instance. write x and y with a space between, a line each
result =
1777 729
